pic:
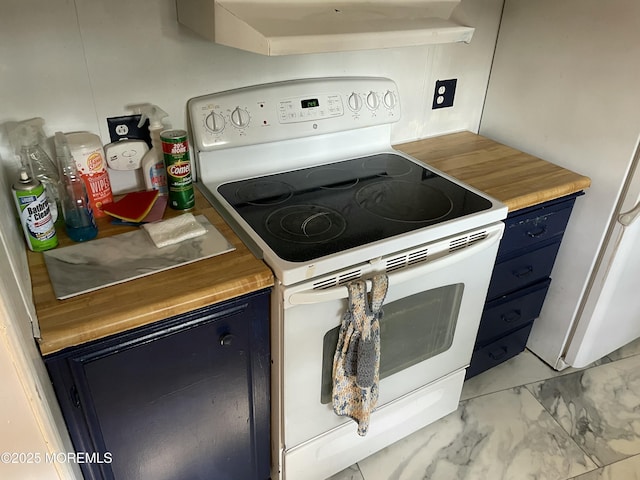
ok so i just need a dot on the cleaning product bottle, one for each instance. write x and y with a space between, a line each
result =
26 139
35 215
153 168
79 220
86 149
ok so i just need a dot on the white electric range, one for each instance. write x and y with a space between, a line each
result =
305 173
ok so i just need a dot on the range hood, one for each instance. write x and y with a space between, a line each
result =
284 27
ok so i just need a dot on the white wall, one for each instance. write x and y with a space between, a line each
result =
564 87
76 62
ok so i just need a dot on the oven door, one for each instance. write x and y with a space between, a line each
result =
431 316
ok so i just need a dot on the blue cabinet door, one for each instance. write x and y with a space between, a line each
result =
186 398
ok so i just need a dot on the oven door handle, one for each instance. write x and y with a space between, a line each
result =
400 276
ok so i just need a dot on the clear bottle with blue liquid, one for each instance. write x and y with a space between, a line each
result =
79 221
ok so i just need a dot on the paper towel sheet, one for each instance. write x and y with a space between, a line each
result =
175 230
92 265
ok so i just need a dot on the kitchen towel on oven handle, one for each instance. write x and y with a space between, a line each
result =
356 363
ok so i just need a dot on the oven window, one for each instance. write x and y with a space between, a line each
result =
413 329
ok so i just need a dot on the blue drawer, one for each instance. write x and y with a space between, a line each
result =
499 351
514 273
511 312
524 229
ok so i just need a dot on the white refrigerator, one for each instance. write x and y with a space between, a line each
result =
565 86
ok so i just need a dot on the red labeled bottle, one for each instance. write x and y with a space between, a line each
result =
86 149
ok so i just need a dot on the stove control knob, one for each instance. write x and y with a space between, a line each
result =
355 103
214 122
240 117
389 100
372 100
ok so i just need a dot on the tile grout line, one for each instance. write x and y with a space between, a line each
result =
526 387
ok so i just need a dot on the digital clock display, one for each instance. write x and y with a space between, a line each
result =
309 103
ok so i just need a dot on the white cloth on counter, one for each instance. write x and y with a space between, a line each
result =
174 230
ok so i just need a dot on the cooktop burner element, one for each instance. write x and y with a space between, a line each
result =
264 192
309 213
305 224
404 201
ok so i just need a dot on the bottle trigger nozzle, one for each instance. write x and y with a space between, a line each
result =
152 112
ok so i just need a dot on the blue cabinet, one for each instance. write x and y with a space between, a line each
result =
520 280
184 398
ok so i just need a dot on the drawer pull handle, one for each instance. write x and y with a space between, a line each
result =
498 353
523 272
511 316
538 232
227 339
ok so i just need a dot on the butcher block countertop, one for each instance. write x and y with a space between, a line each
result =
515 178
114 309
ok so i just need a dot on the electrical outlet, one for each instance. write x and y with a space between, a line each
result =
127 127
444 93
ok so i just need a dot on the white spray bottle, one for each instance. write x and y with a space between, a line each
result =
153 169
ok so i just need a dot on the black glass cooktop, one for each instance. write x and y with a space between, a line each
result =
306 214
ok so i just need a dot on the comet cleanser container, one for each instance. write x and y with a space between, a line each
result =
86 149
175 149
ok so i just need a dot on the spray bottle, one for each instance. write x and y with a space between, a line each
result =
26 139
79 220
153 168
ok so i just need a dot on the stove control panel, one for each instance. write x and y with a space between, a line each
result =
291 109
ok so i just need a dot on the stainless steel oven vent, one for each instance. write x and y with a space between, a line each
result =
466 241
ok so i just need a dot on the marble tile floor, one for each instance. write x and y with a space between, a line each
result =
523 420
